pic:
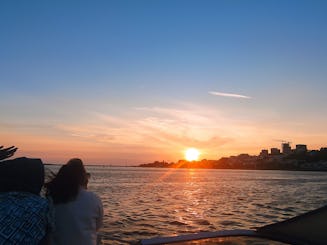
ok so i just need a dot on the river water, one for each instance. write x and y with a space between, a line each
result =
147 202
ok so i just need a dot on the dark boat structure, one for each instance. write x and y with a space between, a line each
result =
306 229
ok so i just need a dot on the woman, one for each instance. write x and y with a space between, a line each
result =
78 212
24 214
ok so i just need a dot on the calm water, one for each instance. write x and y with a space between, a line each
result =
146 202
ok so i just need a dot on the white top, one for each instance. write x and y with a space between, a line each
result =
77 222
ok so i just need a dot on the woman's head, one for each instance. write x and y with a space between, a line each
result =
74 169
70 177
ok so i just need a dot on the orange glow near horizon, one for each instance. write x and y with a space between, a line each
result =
59 148
192 154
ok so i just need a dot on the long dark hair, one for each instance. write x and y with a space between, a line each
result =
65 185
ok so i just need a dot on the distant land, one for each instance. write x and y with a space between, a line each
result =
287 159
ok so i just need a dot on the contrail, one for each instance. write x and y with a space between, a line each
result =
229 95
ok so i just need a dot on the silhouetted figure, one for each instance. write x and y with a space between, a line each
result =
78 212
88 176
7 152
24 214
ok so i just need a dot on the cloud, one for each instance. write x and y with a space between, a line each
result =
230 95
162 128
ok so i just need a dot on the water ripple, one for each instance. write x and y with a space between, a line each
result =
142 202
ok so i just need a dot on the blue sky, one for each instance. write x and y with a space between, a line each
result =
130 81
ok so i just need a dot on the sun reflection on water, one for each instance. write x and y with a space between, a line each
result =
142 203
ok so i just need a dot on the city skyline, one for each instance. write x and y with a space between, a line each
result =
125 82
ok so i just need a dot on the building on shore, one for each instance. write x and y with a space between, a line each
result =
301 148
274 151
264 153
286 148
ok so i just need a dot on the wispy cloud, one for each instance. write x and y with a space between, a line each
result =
230 95
141 134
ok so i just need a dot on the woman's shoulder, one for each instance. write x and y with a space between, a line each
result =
24 199
90 195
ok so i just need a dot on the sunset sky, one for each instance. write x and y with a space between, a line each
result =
130 82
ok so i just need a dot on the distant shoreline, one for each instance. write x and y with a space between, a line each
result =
294 161
167 167
275 169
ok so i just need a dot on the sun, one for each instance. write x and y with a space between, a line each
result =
192 154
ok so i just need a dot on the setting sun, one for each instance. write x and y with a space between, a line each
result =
192 154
